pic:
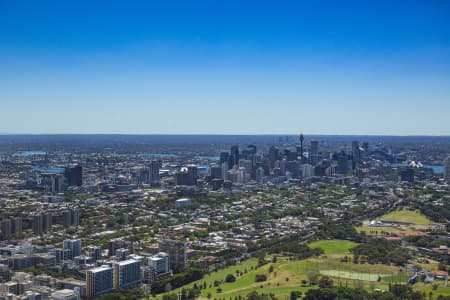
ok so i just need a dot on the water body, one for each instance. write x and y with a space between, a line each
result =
158 155
29 153
437 169
207 157
53 170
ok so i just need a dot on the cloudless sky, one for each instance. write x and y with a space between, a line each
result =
238 67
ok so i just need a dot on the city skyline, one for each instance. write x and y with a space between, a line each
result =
225 68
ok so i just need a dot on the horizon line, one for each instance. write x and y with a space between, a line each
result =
225 134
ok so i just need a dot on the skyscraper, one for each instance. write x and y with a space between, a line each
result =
314 153
447 169
234 157
356 154
274 155
74 175
153 176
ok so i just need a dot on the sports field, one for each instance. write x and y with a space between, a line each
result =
407 216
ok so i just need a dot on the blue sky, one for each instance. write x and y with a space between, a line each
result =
238 67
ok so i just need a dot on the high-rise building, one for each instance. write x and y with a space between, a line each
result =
407 175
75 217
356 154
153 176
16 225
74 247
342 162
38 223
47 218
94 252
447 169
215 171
234 156
187 176
74 175
314 153
160 263
115 244
177 254
126 273
6 227
5 273
99 281
224 158
122 254
274 155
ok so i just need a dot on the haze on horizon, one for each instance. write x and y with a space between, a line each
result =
225 67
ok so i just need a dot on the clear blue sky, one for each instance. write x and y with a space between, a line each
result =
245 67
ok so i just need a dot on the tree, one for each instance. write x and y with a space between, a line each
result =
230 278
312 277
325 282
295 295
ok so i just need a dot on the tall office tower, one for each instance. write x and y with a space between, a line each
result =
447 169
57 183
154 168
74 175
224 158
314 153
126 273
234 156
356 154
215 171
192 173
6 227
250 154
260 174
366 146
293 167
342 162
99 281
74 247
274 155
16 225
177 254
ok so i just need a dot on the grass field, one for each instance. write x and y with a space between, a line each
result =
370 230
331 247
288 274
408 216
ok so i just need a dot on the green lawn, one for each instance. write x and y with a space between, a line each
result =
288 274
334 246
409 216
371 230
